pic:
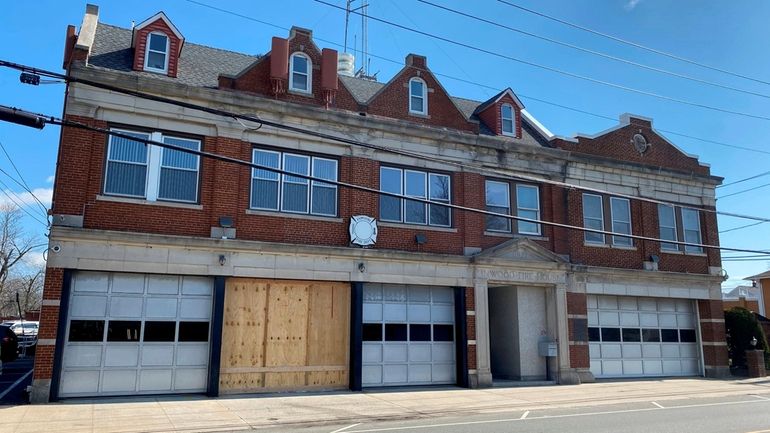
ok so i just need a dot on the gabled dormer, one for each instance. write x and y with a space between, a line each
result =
157 45
502 114
414 94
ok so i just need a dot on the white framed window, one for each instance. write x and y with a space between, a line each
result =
135 169
528 206
499 201
508 121
418 96
293 194
156 53
435 187
593 218
620 212
691 230
300 73
668 227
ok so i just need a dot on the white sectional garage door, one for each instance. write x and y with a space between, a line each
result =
635 337
136 334
408 334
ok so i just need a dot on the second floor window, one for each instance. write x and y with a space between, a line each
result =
507 119
617 219
156 57
500 195
418 184
301 73
287 193
679 224
135 169
418 101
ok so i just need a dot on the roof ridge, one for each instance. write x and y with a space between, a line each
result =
256 56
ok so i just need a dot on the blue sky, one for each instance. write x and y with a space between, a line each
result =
730 35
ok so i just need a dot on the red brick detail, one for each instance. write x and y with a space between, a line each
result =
711 309
470 327
49 323
617 144
140 45
713 331
578 356
470 299
755 361
715 356
43 362
472 357
577 303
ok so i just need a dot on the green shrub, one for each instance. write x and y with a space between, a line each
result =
741 325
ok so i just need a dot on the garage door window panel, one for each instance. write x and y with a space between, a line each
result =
86 331
159 331
395 332
123 330
372 332
193 332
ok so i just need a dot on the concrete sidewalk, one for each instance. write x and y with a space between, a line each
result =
194 413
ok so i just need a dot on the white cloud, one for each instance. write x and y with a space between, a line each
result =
631 4
49 179
25 199
35 259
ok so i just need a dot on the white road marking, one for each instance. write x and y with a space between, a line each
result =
656 404
498 421
524 415
345 428
14 384
760 397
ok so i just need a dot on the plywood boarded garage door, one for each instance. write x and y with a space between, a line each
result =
284 335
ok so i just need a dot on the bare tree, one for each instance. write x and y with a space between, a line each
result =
16 274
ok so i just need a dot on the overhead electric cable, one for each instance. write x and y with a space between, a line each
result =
331 137
56 121
593 52
553 69
23 183
633 44
480 85
744 179
744 191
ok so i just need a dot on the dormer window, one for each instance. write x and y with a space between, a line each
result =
156 57
301 78
507 119
418 103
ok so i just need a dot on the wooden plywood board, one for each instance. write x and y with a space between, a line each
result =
284 335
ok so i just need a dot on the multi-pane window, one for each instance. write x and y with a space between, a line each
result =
500 195
593 218
418 102
609 214
156 57
506 116
434 187
287 193
679 223
300 70
620 209
135 169
668 231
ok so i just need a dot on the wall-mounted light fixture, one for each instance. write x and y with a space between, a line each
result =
222 259
362 267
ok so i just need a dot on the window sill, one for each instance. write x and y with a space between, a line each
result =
614 247
293 215
300 93
420 115
417 227
516 235
682 253
116 199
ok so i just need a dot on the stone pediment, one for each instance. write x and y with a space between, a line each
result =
520 250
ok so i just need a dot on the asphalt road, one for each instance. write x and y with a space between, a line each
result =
12 389
742 414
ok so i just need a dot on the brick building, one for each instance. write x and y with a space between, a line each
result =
175 273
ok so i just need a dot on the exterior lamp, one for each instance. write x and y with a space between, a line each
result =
753 342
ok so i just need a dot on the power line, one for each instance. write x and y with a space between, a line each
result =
7 192
593 52
23 182
744 179
480 85
348 141
744 190
633 44
742 227
553 69
55 121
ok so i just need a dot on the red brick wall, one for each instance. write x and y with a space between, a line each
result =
617 145
49 321
140 46
493 118
470 325
712 328
577 312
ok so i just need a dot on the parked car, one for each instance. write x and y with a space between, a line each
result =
8 344
26 332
